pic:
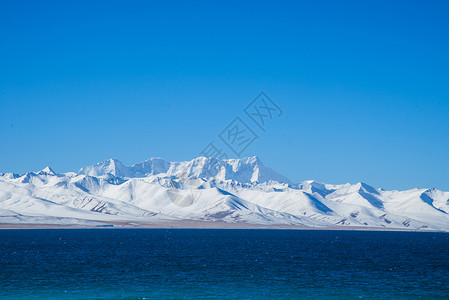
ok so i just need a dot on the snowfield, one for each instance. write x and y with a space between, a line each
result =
234 191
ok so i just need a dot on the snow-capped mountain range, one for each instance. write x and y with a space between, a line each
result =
233 191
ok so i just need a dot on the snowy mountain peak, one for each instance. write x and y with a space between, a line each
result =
10 175
46 171
252 170
112 166
152 166
365 188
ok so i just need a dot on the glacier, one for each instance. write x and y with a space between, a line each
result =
205 191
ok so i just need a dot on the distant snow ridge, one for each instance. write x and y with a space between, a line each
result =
210 190
245 170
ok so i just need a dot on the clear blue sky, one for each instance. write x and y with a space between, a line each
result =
364 85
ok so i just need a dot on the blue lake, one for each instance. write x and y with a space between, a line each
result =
232 264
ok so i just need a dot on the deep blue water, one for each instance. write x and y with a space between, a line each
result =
234 264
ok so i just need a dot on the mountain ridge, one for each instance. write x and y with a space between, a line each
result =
237 191
249 169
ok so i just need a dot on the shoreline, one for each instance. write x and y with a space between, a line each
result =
184 224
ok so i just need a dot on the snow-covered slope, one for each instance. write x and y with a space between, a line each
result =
207 189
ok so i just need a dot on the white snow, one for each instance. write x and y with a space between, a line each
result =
207 189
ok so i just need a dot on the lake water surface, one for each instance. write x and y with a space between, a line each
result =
232 264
